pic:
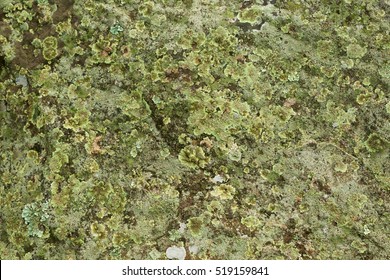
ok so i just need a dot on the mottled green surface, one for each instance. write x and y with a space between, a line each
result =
235 129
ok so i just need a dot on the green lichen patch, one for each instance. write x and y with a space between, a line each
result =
195 225
35 216
49 53
49 42
224 191
251 15
376 143
356 51
193 157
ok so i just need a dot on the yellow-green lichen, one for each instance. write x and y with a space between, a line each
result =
193 157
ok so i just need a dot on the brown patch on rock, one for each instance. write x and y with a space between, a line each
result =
96 149
322 186
5 29
64 8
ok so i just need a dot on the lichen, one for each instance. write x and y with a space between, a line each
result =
193 157
376 143
194 129
223 191
35 216
195 225
356 51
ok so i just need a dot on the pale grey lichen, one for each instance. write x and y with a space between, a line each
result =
21 80
176 253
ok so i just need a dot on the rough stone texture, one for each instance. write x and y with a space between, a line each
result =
214 129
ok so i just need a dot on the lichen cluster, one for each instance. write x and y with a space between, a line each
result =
234 129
